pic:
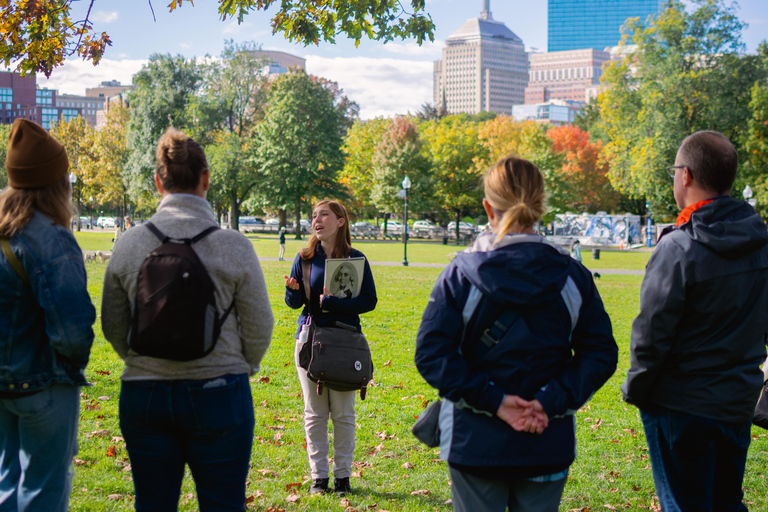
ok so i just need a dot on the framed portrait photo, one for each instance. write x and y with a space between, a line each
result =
343 276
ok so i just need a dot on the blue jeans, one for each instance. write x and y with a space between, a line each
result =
38 438
207 424
698 463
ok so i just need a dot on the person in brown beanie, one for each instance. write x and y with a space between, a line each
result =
46 319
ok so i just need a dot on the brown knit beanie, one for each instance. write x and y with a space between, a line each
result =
35 159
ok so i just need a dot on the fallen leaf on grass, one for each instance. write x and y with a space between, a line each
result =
79 462
291 486
264 379
597 424
408 465
292 498
115 497
266 472
112 451
420 492
388 363
344 502
105 398
92 407
102 372
278 436
357 474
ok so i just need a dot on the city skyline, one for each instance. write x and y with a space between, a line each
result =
385 79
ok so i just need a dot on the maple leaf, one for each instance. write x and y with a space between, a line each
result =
264 379
292 486
112 451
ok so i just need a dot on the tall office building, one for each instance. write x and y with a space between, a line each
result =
484 68
579 24
564 75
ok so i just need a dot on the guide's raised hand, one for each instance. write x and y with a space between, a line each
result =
291 282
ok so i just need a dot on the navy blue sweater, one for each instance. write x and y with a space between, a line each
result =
333 308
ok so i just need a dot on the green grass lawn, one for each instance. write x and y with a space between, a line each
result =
392 470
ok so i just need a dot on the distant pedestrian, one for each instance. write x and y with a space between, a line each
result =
282 244
699 340
197 412
514 350
576 250
45 325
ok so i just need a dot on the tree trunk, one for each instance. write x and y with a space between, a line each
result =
458 227
386 218
234 211
298 218
282 216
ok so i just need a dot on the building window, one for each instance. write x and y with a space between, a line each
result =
6 95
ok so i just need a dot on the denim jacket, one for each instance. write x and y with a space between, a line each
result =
45 326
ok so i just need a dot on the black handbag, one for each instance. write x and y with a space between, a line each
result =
760 417
336 356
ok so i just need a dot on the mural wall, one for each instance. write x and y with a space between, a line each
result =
596 229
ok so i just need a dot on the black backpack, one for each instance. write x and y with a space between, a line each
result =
175 315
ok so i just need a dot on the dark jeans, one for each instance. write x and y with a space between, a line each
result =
207 424
698 463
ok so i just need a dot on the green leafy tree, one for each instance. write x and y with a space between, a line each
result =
298 143
453 148
165 87
359 147
397 155
756 143
688 73
39 35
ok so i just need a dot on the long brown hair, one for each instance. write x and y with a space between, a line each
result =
180 161
515 188
18 205
343 237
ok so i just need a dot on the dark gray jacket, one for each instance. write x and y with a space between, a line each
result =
699 339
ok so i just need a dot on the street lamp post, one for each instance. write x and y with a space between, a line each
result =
406 186
72 181
648 234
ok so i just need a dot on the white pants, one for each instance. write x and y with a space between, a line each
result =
282 252
340 406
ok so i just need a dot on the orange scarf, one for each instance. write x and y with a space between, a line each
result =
685 215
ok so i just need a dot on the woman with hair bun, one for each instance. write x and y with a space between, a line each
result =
515 339
196 412
46 319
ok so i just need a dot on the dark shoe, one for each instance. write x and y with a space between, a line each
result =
341 486
320 485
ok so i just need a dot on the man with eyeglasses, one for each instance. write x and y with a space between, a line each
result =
699 339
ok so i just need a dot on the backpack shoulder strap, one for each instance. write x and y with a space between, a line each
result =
157 232
495 332
5 244
204 233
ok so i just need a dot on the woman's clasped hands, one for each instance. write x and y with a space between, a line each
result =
523 415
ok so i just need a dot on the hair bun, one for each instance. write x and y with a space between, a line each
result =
177 151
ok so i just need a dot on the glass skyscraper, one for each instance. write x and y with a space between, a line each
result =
582 24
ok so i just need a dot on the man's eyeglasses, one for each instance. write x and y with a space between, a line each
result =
671 170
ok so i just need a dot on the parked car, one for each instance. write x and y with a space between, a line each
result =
251 220
106 222
362 228
465 229
393 227
85 222
272 222
427 229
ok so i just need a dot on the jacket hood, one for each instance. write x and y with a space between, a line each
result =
727 226
519 270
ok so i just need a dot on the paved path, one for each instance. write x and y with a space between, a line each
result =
601 271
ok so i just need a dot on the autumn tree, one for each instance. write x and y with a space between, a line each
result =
687 73
103 168
504 136
359 147
756 142
38 36
5 133
297 145
453 148
78 138
399 154
165 87
584 169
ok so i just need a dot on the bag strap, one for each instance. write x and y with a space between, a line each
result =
306 272
189 241
13 260
495 332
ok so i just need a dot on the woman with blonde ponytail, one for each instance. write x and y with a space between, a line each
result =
515 338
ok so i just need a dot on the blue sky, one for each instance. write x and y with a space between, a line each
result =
385 79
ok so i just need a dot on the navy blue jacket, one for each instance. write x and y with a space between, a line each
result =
333 308
560 350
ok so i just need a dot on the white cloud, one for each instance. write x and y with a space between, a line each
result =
76 75
104 16
185 46
410 48
382 87
232 28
